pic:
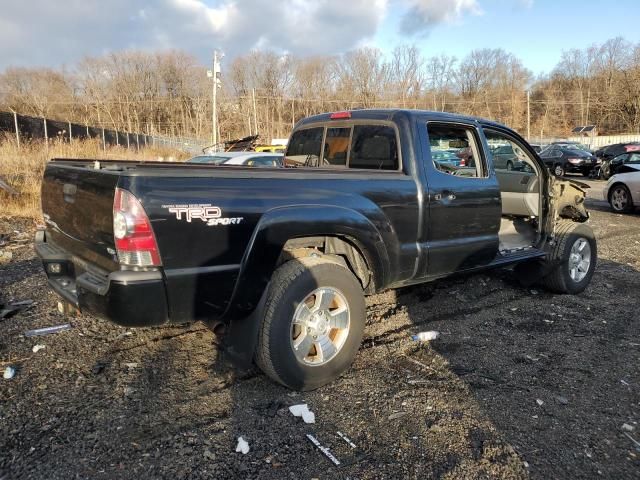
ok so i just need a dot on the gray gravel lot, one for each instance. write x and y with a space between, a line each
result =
522 383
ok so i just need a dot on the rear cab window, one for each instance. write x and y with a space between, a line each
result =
346 146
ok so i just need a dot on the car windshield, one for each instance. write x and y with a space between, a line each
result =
212 159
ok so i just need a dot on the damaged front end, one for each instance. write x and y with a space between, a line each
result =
566 201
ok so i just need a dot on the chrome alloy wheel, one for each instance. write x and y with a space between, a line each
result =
579 260
320 326
619 198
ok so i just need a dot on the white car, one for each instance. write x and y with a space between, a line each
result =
623 190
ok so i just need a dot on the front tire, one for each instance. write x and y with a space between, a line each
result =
575 252
558 171
314 320
620 199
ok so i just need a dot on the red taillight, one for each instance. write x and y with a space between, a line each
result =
135 242
463 162
340 115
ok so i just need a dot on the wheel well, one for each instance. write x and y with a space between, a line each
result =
343 249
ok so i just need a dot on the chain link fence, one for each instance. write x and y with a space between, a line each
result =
26 128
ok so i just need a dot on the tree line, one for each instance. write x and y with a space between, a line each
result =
169 93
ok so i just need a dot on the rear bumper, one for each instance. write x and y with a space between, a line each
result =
128 298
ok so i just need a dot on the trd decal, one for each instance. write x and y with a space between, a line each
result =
209 214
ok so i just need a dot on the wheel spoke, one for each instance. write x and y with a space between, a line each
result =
572 272
324 299
302 346
302 315
325 348
339 318
581 245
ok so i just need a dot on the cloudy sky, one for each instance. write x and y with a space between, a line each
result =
46 32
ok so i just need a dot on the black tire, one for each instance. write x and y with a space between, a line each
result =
624 207
558 170
290 285
567 234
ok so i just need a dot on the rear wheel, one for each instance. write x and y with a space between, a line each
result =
558 170
313 325
575 253
620 199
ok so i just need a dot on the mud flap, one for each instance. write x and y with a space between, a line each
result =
241 337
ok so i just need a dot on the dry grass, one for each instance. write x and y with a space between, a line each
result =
22 167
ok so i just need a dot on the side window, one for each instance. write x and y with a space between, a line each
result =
336 147
634 159
374 147
454 150
261 162
507 154
304 148
620 159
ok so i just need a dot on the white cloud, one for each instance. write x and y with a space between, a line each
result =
41 32
425 14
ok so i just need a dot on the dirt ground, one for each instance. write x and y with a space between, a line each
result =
521 383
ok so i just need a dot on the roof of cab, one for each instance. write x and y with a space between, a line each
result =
390 114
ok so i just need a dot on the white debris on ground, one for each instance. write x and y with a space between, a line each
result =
242 446
302 410
9 373
426 336
37 348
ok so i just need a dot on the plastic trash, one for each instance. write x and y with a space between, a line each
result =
302 410
47 330
425 336
309 417
242 446
37 348
9 373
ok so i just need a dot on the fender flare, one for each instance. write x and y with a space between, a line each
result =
281 224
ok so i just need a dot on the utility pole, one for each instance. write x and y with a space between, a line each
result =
528 115
255 115
213 74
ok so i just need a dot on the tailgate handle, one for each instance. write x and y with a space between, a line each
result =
69 191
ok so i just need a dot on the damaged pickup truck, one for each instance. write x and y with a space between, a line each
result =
280 259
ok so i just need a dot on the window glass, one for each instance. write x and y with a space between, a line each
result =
454 150
634 158
374 147
624 158
336 147
262 162
304 148
507 154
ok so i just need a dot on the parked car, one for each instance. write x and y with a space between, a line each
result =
561 159
622 163
574 145
504 158
536 147
611 151
281 259
446 157
247 159
623 189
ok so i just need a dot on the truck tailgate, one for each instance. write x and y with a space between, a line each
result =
77 205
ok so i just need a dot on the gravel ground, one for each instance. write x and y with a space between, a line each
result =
521 383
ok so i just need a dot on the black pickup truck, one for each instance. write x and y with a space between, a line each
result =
280 259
